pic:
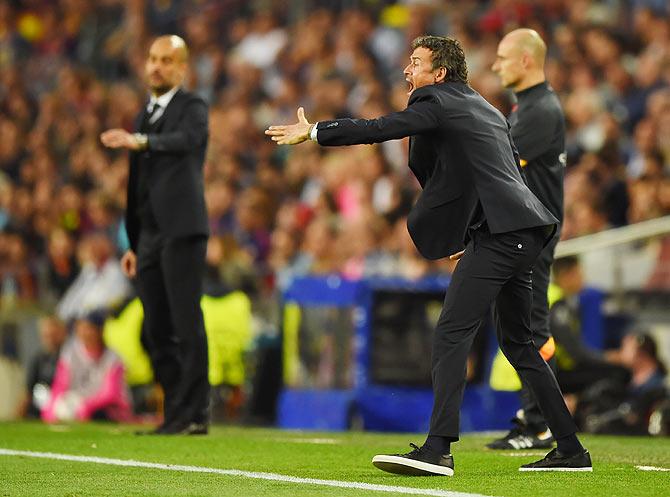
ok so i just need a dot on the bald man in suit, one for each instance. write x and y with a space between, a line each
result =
166 221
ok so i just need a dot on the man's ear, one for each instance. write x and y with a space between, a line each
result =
441 75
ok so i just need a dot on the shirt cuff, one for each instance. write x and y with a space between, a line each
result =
313 133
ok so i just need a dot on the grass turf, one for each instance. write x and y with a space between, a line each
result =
329 456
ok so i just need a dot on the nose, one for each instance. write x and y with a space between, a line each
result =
407 70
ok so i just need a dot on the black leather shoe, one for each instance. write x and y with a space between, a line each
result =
194 429
555 461
419 462
177 429
159 430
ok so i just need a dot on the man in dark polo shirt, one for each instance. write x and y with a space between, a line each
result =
538 131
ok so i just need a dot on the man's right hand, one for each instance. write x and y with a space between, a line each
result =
129 264
291 134
120 138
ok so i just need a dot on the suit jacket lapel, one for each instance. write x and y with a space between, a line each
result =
141 116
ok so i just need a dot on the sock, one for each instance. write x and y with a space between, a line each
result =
441 445
569 445
537 429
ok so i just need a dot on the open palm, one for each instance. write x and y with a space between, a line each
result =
291 134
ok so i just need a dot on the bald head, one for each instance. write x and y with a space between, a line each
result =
529 42
520 59
174 43
166 64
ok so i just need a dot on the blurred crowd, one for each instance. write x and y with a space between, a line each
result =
72 68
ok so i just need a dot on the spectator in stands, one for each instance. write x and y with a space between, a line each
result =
89 381
639 354
664 195
252 221
42 367
644 142
644 197
283 253
61 265
317 254
220 198
578 365
17 275
609 407
100 284
360 245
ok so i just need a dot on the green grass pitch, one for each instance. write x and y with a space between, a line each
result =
340 457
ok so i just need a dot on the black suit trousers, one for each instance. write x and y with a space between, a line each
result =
496 268
169 280
539 321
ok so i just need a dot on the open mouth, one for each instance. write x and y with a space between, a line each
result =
410 87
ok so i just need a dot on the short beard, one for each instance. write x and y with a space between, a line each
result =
160 90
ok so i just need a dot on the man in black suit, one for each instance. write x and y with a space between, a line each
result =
475 206
538 131
166 221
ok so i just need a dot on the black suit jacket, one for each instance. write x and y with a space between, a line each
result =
461 152
175 155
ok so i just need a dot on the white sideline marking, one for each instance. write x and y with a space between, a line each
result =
236 472
317 441
651 468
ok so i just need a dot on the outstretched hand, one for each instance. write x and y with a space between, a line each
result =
291 134
119 138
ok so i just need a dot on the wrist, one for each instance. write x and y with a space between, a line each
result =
311 133
141 141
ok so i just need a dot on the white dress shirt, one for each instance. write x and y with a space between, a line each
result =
162 101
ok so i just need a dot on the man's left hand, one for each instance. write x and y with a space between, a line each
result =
291 134
119 138
456 256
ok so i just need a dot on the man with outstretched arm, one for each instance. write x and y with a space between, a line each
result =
475 206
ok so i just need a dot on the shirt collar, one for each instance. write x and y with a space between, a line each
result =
164 99
538 88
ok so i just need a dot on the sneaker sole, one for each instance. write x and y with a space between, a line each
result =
411 467
558 469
